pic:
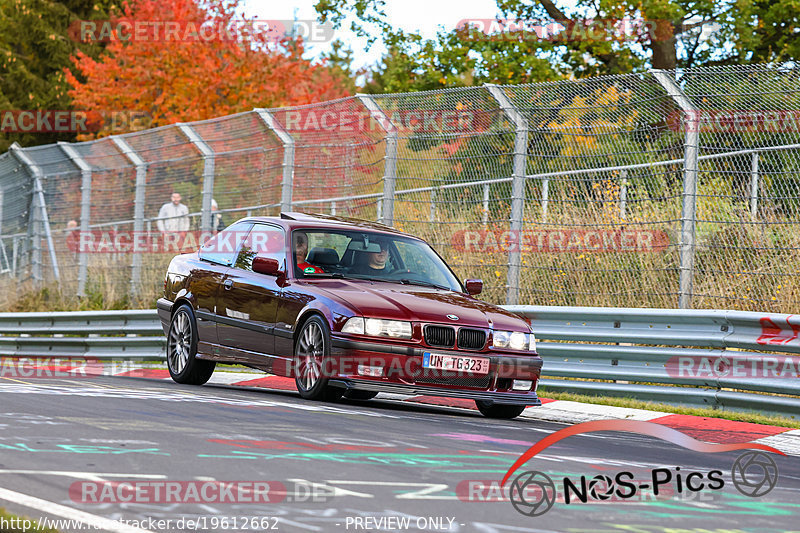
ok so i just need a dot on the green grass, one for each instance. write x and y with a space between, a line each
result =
680 410
6 518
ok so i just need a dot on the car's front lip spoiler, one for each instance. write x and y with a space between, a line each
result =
528 398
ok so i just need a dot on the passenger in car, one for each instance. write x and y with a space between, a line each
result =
300 252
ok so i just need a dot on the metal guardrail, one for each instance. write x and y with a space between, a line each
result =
648 354
717 359
92 334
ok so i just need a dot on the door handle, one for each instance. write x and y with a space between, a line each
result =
228 283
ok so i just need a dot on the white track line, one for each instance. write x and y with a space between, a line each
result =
69 513
788 442
574 412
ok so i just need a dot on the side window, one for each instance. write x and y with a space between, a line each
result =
263 241
222 248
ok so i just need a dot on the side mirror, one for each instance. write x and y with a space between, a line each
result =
266 265
473 286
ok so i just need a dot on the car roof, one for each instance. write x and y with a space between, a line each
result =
292 220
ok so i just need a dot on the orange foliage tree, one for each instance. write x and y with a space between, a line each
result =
209 63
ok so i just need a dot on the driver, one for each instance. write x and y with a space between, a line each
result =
374 263
300 251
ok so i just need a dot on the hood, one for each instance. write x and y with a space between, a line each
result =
395 301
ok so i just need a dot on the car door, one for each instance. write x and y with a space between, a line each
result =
216 255
248 301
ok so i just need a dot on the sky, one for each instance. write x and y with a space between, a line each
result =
420 16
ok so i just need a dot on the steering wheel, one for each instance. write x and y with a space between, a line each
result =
405 273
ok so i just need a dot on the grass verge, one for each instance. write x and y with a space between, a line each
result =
680 410
7 520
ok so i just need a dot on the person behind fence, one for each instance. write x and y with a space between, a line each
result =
173 216
217 222
73 235
300 251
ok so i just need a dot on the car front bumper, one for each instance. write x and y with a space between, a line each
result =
403 373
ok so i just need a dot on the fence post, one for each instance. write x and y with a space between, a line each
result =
86 213
517 188
754 186
485 204
41 222
138 207
390 161
689 204
623 194
208 174
287 183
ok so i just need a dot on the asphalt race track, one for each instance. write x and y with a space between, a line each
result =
381 465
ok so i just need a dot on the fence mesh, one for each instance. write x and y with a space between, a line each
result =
563 193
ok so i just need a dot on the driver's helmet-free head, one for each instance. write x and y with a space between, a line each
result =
365 251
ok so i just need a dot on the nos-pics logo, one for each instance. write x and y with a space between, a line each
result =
533 493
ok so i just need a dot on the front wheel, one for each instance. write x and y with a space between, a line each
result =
312 352
183 365
499 410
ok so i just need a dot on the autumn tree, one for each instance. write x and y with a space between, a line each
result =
35 47
662 34
213 64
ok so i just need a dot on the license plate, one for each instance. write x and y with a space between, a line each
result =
456 363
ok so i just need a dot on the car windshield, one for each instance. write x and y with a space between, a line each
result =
370 256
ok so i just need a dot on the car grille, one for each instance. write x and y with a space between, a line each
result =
441 336
471 339
479 382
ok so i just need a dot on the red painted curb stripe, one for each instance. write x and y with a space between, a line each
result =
151 373
718 430
269 382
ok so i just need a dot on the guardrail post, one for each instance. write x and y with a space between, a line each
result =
138 208
208 174
287 182
86 204
689 204
39 218
517 188
390 161
754 186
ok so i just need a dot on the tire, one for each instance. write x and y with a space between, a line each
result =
312 350
183 365
499 410
353 394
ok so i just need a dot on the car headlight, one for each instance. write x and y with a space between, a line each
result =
514 340
377 327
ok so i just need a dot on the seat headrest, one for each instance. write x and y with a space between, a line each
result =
323 256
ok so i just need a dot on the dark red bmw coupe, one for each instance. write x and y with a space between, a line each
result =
345 307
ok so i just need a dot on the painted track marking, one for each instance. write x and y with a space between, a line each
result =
68 512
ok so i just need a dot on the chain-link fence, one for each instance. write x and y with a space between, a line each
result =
661 189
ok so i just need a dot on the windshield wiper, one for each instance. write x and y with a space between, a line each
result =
406 281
